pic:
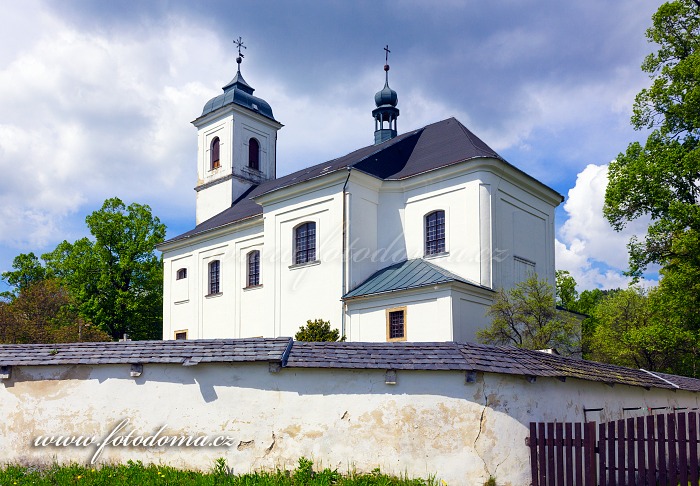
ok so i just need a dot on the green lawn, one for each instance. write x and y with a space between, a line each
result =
135 473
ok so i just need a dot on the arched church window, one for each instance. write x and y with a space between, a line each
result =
214 154
305 243
254 268
435 233
182 273
253 154
214 277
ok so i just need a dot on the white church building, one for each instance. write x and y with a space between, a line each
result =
406 239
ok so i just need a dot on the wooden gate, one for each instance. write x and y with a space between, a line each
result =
650 450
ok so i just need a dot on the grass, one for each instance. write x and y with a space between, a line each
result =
221 474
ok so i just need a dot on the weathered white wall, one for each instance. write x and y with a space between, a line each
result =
430 422
440 313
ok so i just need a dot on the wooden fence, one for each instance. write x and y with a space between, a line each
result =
653 450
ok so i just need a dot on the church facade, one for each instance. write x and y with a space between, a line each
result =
405 239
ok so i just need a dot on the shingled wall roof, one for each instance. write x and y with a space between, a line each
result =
347 355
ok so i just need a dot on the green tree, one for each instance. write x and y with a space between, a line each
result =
117 278
567 295
661 179
27 271
632 331
318 330
42 313
526 316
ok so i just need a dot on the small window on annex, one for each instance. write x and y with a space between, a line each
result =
214 277
305 243
214 154
181 273
181 335
435 233
253 154
253 268
396 324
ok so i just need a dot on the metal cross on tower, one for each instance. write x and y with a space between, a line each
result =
239 44
387 54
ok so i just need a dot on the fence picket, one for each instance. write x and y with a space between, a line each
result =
651 451
629 453
661 441
682 450
672 464
693 446
569 448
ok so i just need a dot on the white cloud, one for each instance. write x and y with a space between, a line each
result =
91 115
587 246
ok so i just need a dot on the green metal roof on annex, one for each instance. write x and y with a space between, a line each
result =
408 274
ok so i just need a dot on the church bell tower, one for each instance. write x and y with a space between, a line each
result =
386 113
237 141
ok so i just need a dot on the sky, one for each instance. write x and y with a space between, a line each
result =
96 99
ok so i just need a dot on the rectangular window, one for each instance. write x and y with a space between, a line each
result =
180 335
253 268
396 324
214 277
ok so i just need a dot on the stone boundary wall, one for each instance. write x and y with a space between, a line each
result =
458 425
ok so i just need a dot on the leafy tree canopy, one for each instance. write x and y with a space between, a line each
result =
42 313
115 278
526 316
318 330
631 331
661 178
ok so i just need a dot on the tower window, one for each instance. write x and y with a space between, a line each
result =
305 243
182 273
253 268
214 277
435 233
214 154
396 324
253 154
181 335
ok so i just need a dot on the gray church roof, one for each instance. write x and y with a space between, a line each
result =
286 353
438 145
408 274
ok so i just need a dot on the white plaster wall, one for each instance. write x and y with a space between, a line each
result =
428 423
469 313
524 228
364 232
459 198
313 290
236 312
428 316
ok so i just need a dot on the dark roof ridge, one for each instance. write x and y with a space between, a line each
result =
468 133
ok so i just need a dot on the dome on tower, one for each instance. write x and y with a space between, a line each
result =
386 96
238 92
386 113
